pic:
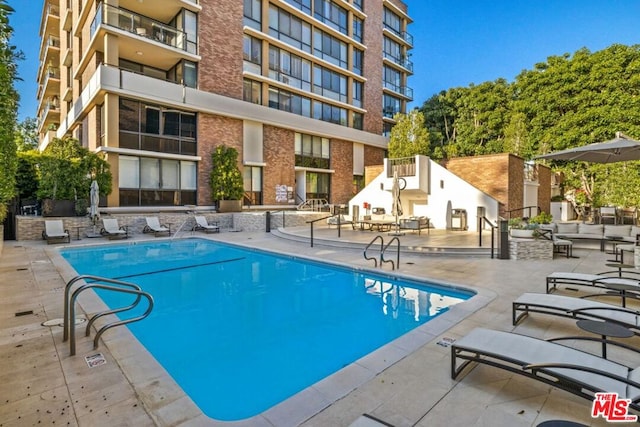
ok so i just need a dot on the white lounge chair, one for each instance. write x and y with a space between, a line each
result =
575 371
203 225
595 280
54 231
154 226
576 308
112 230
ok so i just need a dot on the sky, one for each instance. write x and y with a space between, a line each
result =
456 43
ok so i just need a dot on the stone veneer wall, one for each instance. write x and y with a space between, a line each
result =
31 227
530 249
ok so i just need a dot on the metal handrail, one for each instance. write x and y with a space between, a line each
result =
393 266
69 307
369 245
528 208
494 227
268 219
313 221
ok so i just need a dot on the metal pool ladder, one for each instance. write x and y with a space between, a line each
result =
69 324
383 248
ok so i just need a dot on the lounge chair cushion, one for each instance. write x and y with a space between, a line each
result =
617 230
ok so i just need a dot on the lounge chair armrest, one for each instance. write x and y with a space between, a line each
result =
543 366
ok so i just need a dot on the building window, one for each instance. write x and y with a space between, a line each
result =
358 28
312 151
358 184
252 177
303 5
290 29
358 4
329 113
252 14
390 106
147 181
318 185
392 22
289 68
329 84
286 101
252 54
358 57
392 50
358 120
392 79
386 129
329 48
358 93
154 128
331 14
252 91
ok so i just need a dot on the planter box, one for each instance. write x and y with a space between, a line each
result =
522 234
58 207
229 206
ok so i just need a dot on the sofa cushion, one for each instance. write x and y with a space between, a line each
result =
617 230
595 229
569 227
635 230
553 227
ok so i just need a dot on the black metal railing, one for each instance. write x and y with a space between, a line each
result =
527 209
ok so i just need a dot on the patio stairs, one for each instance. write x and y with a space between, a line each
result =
297 234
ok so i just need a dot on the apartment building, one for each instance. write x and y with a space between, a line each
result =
305 90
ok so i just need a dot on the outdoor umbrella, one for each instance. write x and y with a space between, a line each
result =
619 149
396 207
95 200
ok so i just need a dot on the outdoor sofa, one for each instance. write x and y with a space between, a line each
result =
598 232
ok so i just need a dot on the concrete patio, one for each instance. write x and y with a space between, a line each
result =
42 385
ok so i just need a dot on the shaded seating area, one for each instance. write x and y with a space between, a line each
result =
112 230
54 231
154 226
203 225
560 366
572 307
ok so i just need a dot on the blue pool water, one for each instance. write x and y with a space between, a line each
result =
242 330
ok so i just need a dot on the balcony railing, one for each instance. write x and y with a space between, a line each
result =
139 25
404 35
403 90
403 62
51 73
406 166
53 10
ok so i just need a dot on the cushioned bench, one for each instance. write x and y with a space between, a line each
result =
600 232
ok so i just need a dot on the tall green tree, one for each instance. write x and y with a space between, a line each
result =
409 136
9 100
27 134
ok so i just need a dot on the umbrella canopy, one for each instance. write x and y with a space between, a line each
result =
620 149
95 200
396 208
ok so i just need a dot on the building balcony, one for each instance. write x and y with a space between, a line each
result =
403 62
405 91
50 21
400 36
50 116
67 15
50 50
50 83
142 39
67 57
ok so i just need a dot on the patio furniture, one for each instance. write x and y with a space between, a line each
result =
203 225
559 245
154 226
608 213
54 231
572 307
112 230
415 223
578 372
629 216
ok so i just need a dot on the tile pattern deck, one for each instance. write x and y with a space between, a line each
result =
40 384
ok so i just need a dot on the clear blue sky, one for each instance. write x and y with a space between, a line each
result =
455 42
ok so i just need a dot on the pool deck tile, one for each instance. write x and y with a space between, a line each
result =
406 383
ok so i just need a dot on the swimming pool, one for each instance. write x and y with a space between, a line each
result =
241 330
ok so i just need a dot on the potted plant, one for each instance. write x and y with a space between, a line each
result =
522 229
227 188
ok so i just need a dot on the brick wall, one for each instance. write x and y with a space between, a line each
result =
342 164
278 151
220 46
544 190
499 175
372 67
213 131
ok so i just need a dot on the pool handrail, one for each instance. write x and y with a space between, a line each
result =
72 312
69 307
393 265
369 245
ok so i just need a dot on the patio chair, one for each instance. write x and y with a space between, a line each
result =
154 226
608 212
629 216
112 230
566 368
559 245
203 225
54 231
575 308
602 281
